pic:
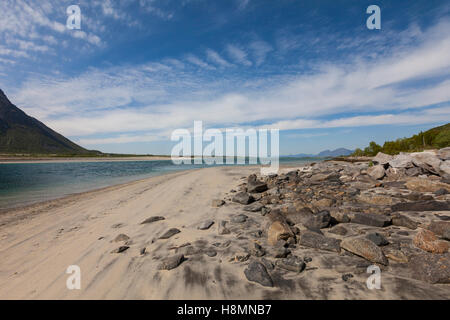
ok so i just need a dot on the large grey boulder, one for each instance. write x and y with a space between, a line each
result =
444 153
376 172
428 161
382 158
402 161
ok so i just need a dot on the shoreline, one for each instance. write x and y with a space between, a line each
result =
20 160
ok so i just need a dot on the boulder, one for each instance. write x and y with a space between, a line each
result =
243 198
364 248
402 161
318 221
377 238
444 153
256 186
324 202
298 216
430 205
427 161
377 172
441 228
278 231
445 167
432 268
428 241
382 158
257 272
425 185
314 240
403 221
371 219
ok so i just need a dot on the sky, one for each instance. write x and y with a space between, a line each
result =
137 70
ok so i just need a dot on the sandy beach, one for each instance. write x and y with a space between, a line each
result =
39 242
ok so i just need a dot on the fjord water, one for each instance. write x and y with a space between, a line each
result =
27 183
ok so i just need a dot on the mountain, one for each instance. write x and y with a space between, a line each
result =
325 154
20 133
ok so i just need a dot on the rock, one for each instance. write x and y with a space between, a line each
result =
257 272
382 158
414 172
377 172
401 161
347 276
428 241
217 203
444 167
425 185
377 199
318 221
243 198
339 230
121 237
395 173
377 238
294 264
427 161
278 231
443 154
281 252
222 229
205 225
298 216
440 192
120 249
268 264
324 202
240 218
439 227
314 240
395 255
403 221
210 252
170 233
255 186
364 248
254 207
432 268
142 251
320 177
153 219
241 256
258 251
171 262
422 206
371 219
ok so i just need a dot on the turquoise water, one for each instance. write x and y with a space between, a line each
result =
26 183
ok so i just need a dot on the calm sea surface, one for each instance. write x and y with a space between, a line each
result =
26 183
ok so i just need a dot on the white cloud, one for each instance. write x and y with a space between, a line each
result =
214 57
238 55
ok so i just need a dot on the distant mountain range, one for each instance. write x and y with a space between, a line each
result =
20 133
324 154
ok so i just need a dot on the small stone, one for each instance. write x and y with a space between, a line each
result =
240 218
222 229
278 231
170 233
211 252
257 272
142 252
294 264
153 219
281 252
347 276
217 203
121 237
268 264
339 230
258 251
377 238
205 225
254 207
120 249
241 257
171 262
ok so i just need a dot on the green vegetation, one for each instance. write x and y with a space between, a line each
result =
435 138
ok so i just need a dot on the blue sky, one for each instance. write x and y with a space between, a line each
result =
137 70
